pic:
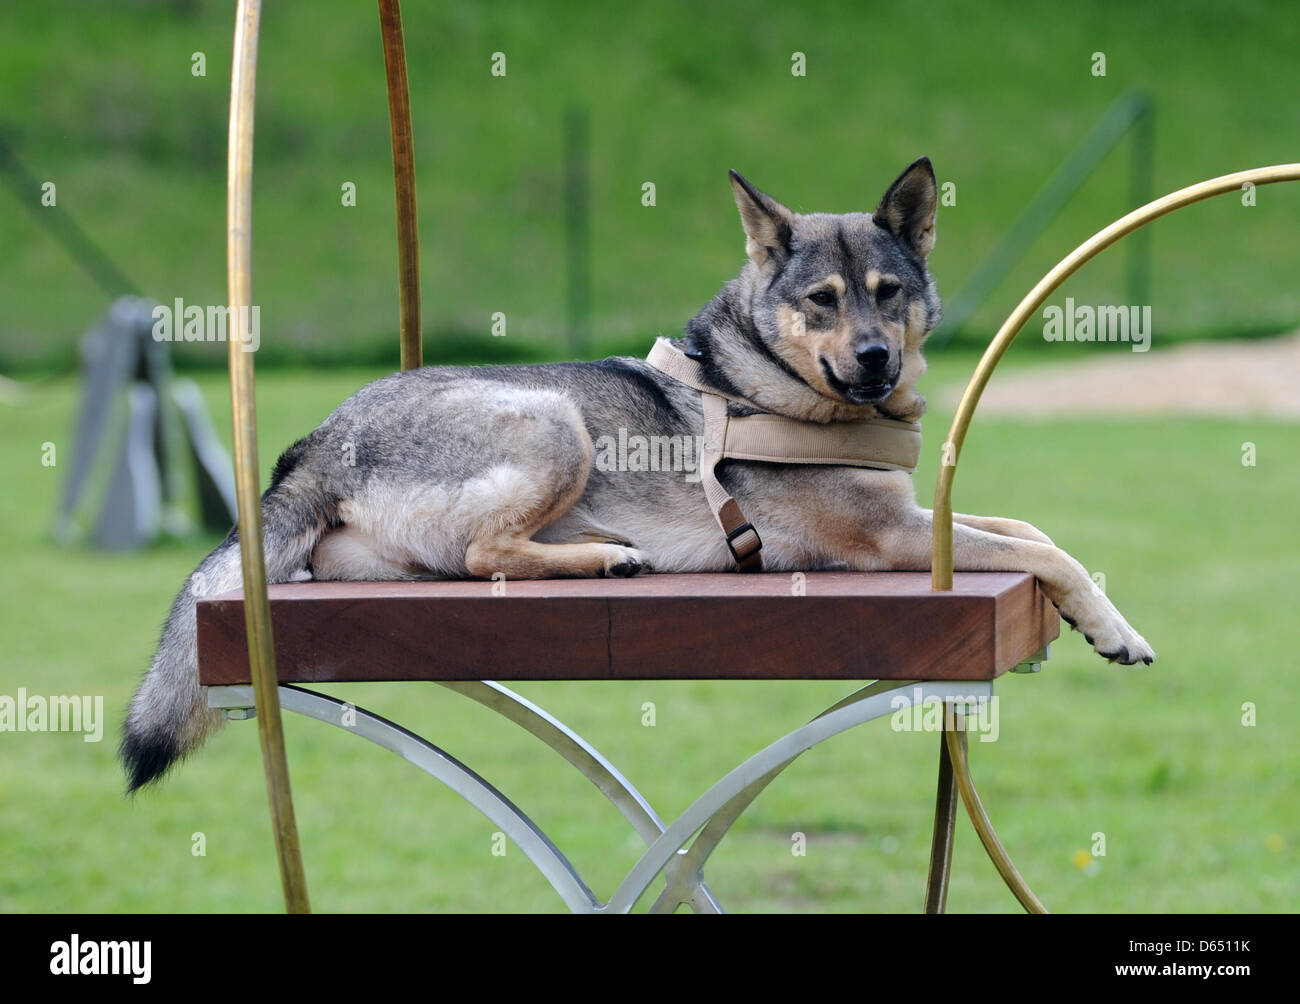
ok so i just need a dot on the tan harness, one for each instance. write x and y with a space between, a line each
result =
881 443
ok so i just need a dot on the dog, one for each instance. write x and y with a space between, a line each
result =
490 472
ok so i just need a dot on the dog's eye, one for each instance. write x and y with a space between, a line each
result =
886 290
823 298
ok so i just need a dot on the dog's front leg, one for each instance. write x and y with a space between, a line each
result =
905 546
1002 526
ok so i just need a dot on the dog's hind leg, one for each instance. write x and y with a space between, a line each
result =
465 492
504 546
515 556
350 553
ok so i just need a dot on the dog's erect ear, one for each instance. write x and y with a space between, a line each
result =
767 223
907 210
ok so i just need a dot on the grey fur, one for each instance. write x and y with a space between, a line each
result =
467 471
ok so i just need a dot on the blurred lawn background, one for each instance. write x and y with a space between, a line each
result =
102 101
1199 812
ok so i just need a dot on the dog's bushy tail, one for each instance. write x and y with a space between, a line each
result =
168 716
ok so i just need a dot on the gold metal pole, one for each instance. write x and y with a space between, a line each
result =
941 539
257 611
956 741
945 823
408 225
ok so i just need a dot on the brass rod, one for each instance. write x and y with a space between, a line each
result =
257 610
945 824
408 224
941 556
956 743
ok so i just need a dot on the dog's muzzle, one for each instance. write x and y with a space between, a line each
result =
870 389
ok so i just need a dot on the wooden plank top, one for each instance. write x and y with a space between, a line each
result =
823 625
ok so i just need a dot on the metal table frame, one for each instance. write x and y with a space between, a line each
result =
669 848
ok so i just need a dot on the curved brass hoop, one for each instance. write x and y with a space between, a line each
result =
408 224
239 271
956 740
941 567
257 611
941 560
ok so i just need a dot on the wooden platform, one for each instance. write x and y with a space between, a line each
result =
847 625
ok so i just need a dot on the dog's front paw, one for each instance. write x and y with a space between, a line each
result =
1120 643
623 562
1105 629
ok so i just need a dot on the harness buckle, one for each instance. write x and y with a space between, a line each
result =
750 549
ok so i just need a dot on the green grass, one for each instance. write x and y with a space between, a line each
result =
1198 811
104 104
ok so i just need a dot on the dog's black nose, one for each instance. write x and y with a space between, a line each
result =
872 356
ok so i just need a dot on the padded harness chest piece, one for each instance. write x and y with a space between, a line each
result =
883 444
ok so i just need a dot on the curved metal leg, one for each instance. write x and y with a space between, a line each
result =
687 866
587 759
711 815
865 705
956 744
447 769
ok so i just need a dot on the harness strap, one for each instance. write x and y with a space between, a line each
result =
879 443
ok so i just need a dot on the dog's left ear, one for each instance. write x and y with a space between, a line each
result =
907 210
767 223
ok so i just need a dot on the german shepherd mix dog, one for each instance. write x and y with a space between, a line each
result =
463 471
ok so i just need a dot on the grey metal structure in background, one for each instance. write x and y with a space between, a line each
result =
137 430
61 225
1133 112
137 423
710 816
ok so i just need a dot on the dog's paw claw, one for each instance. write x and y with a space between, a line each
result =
1106 630
624 563
1129 652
